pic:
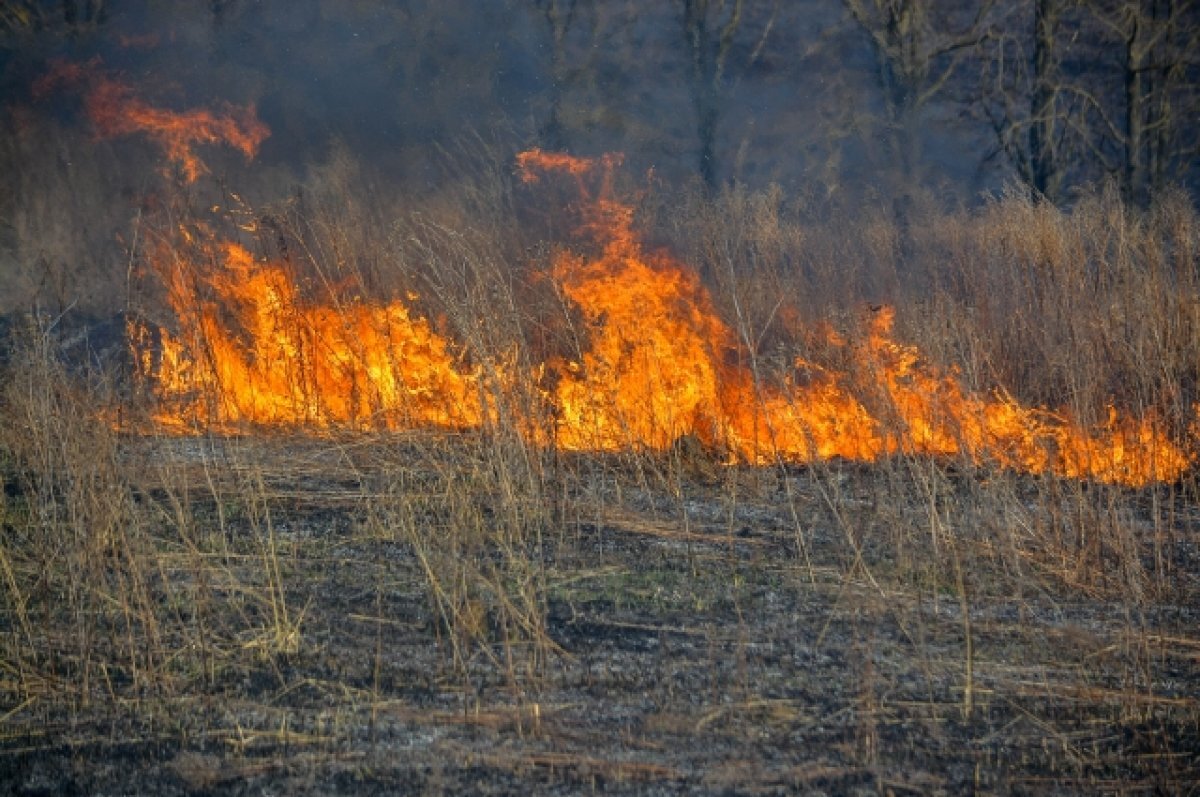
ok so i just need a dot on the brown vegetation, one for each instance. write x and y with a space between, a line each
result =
482 611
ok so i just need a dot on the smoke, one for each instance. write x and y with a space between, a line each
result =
395 81
790 95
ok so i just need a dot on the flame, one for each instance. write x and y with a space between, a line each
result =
928 412
653 371
656 363
250 351
662 364
115 110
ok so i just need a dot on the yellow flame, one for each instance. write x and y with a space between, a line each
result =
249 351
658 363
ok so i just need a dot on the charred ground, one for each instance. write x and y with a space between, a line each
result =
362 617
245 608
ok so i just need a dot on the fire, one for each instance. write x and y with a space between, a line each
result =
656 363
928 412
661 365
250 351
653 372
115 110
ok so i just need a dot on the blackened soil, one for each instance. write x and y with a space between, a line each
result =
772 632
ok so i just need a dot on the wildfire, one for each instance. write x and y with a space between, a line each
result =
115 110
659 367
249 351
657 363
653 372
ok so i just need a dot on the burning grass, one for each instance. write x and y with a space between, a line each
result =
444 519
652 362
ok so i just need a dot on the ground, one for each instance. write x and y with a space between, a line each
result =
658 624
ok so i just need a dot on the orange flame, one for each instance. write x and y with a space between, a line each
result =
659 367
115 111
658 363
924 411
653 371
251 352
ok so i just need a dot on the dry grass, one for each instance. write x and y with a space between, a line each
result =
269 607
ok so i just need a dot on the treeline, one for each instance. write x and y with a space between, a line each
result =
1057 93
831 95
853 107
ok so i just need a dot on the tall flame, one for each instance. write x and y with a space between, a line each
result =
657 363
661 365
653 372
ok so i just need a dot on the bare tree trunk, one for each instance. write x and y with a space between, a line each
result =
1134 177
560 14
1160 142
708 59
1045 175
1157 39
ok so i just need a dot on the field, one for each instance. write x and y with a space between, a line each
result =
204 592
384 616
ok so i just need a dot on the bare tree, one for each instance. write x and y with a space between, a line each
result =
710 29
917 47
1036 110
1044 173
1082 91
1159 41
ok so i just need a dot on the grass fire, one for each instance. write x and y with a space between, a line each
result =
595 397
657 363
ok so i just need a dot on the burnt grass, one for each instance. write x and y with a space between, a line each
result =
908 627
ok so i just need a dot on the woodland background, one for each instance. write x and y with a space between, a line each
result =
889 109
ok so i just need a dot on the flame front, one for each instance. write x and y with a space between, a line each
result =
250 352
656 363
924 411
